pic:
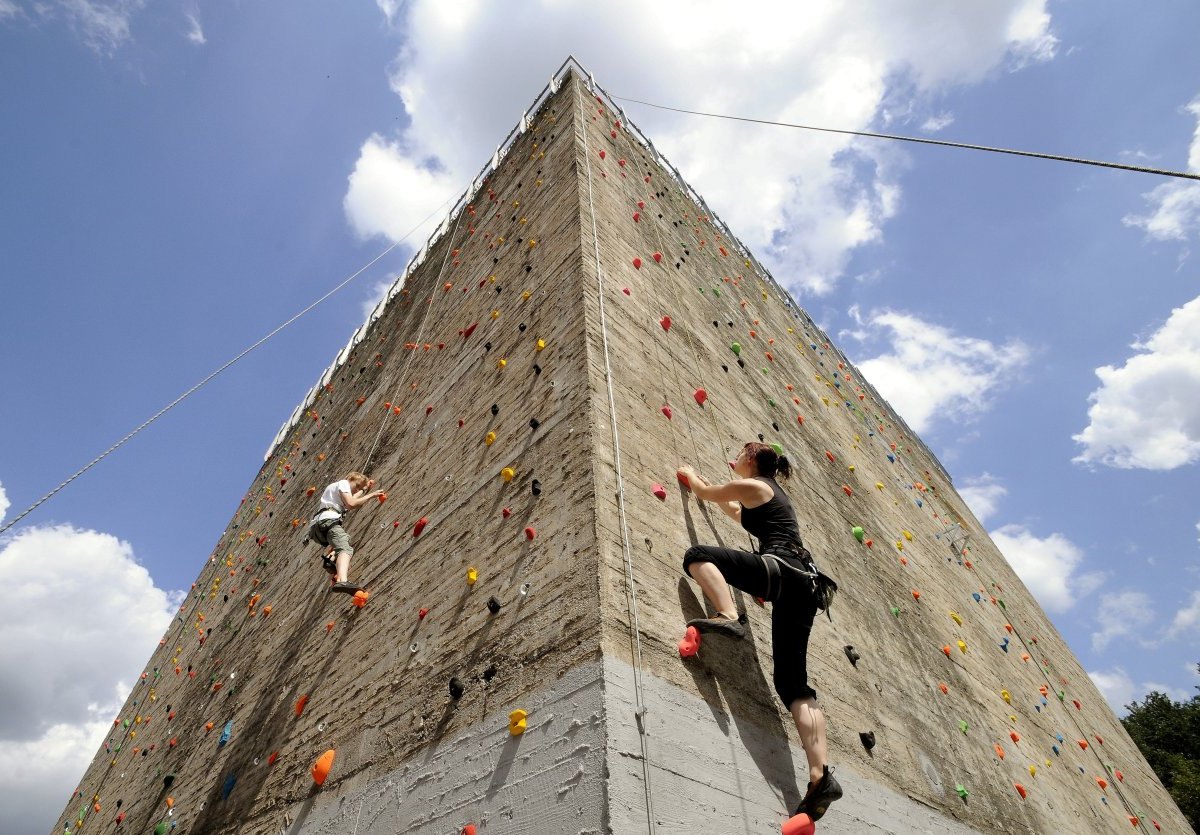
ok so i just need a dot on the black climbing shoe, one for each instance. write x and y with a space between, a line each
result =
345 588
819 796
329 565
721 625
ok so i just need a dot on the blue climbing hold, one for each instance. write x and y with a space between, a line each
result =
976 596
226 733
227 788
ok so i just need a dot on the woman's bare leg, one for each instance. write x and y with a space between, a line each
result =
810 724
715 589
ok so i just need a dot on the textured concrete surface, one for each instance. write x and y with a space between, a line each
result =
413 403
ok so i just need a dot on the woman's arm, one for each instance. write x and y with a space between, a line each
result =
728 496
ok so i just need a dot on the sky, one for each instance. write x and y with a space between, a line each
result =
179 179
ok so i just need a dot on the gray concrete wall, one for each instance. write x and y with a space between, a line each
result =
717 746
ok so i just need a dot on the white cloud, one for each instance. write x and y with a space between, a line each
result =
8 8
1050 567
1187 619
1146 414
5 504
938 122
982 494
1119 689
932 373
196 33
390 192
816 197
1126 615
1174 206
102 24
61 688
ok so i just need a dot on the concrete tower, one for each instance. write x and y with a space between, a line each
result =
519 395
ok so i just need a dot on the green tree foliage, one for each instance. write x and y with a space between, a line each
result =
1168 734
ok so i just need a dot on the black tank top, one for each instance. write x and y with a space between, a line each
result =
773 523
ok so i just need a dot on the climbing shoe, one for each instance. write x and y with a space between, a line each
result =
720 625
819 796
345 588
329 565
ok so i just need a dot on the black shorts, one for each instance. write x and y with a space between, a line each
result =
793 608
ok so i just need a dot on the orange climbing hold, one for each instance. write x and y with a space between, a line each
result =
1014 736
1083 744
946 650
916 595
321 767
1102 783
829 455
846 489
1020 790
360 598
942 685
999 750
300 703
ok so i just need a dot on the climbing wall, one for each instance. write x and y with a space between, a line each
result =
577 328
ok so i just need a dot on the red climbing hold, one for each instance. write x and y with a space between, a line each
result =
800 824
530 533
603 153
657 257
829 455
666 323
846 489
916 595
382 497
420 526
625 290
637 263
271 759
470 329
421 613
1075 702
946 650
659 491
506 512
1014 736
666 410
637 216
689 644
701 395
1020 790
1083 744
469 829
360 598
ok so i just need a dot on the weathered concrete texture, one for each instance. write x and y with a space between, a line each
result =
413 405
716 771
550 779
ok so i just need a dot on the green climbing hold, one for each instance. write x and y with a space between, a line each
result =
858 532
736 348
778 448
771 402
161 829
716 291
962 791
962 725
1000 600
896 611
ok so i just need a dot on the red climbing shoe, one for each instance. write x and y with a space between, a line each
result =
345 588
721 625
820 795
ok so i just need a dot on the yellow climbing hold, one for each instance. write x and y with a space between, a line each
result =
1004 694
962 646
525 296
879 485
507 473
541 343
956 617
517 722
489 438
495 314
500 363
907 535
472 576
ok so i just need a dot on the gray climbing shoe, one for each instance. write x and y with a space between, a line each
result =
720 625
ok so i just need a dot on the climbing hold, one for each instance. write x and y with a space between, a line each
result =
472 576
507 474
360 598
666 410
1102 783
946 650
1075 702
896 611
637 263
846 489
456 688
422 612
907 535
829 455
1032 770
516 722
867 738
736 347
942 686
879 485
916 595
489 438
666 323
1020 790
689 644
701 395
382 497
999 750
1004 694
962 792
495 409
954 616
1083 744
530 533
226 733
657 257
963 726
858 533
659 491
535 487
852 654
420 526
1016 737
493 605
321 767
469 829
300 703
962 646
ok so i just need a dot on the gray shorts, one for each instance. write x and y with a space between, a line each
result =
340 540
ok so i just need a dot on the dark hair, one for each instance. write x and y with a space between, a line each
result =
767 462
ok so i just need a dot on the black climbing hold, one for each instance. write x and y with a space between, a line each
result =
852 654
118 804
493 605
536 487
760 437
487 346
168 781
741 363
521 327
537 369
489 673
528 268
456 689
775 426
716 324
495 410
498 289
534 423
868 739
725 368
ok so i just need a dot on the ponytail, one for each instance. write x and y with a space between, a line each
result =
768 463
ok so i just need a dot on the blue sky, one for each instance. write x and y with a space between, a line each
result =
179 179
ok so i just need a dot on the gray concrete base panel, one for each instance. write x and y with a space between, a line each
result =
711 772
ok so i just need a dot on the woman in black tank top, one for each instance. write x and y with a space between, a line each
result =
778 572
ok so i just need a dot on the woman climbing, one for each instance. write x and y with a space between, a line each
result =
782 572
326 529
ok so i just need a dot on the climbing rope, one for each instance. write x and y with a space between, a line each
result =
8 525
630 583
924 141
